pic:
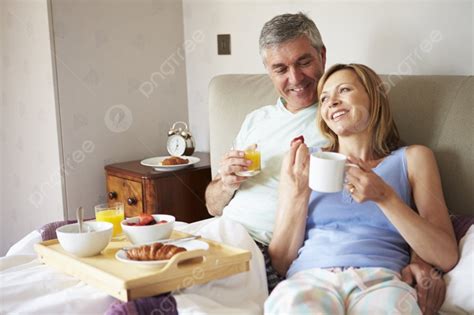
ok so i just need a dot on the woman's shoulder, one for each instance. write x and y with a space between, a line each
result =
420 159
418 151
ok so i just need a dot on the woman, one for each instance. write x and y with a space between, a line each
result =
343 252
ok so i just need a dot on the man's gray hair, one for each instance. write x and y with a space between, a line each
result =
286 27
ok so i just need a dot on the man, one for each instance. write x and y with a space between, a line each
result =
294 56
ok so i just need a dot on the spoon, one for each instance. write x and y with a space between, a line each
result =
80 217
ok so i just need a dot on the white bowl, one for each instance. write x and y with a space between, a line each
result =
87 243
141 234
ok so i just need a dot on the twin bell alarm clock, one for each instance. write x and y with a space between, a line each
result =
180 141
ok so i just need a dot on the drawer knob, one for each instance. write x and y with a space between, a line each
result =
112 195
132 201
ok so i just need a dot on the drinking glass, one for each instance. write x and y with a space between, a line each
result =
113 213
252 153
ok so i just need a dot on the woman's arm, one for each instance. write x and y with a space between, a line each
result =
430 232
293 196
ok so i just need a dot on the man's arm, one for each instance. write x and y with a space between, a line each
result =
220 191
218 196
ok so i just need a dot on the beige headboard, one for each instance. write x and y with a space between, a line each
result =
436 111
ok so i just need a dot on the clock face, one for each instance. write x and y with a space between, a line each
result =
176 145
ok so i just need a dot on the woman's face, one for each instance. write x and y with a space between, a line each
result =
345 105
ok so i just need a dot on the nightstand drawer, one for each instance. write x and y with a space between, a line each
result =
127 191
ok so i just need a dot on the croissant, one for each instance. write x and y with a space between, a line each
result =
155 251
174 160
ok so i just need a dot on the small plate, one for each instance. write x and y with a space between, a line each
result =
189 245
156 163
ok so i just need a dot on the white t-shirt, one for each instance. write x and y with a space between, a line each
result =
272 127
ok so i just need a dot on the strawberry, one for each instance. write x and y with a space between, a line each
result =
297 138
146 219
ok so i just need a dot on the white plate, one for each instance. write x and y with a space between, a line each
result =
189 245
156 163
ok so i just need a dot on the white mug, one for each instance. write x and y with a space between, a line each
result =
326 171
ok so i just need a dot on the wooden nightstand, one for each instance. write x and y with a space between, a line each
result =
142 189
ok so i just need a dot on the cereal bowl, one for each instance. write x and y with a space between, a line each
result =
141 234
94 238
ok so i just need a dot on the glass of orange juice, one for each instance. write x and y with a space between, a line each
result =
113 213
251 153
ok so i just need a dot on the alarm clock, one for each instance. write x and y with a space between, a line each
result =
180 141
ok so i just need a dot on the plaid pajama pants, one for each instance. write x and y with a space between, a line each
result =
273 278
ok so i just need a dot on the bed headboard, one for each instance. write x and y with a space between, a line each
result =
436 111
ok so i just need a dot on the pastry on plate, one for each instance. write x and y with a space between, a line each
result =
155 251
174 160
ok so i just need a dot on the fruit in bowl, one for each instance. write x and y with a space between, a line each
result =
94 238
145 219
148 228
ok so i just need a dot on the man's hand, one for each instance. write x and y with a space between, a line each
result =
221 190
233 162
429 285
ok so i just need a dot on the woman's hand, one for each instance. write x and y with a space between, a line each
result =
295 172
364 184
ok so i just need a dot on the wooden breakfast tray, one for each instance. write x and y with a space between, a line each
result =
127 282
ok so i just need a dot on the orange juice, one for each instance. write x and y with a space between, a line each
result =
113 216
254 156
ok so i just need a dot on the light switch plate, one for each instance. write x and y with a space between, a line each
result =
223 44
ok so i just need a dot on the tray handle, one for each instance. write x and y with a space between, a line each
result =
176 260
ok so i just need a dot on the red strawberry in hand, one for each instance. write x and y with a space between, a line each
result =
296 139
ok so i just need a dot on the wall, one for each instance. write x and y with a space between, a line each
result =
119 70
406 37
121 82
30 174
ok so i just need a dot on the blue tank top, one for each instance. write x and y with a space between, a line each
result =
343 233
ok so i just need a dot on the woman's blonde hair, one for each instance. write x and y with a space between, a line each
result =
385 136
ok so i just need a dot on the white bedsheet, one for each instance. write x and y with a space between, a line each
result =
27 286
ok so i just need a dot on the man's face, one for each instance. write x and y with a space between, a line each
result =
295 68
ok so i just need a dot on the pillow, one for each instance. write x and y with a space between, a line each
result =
459 281
461 223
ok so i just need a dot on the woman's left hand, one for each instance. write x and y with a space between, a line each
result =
363 184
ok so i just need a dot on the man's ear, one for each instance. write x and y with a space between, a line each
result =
264 65
263 55
323 57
